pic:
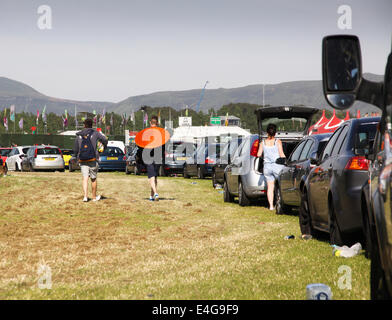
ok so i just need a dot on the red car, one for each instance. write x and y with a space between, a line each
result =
3 156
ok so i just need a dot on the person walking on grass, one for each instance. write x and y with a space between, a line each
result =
272 149
85 149
152 159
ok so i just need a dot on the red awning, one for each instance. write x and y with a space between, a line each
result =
314 129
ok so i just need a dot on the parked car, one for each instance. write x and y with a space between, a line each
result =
4 152
343 84
67 155
332 191
201 162
176 154
244 177
225 157
112 158
73 164
43 158
15 157
291 180
134 162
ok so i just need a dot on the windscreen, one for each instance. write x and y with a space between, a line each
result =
5 152
44 151
285 125
112 152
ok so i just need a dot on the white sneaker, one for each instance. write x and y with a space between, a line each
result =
85 199
97 198
156 197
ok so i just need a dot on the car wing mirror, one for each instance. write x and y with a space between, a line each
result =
282 161
342 70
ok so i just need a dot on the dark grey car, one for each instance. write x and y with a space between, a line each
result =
289 185
332 192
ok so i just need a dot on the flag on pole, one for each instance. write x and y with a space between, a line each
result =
159 117
111 119
12 113
104 116
95 117
227 119
21 124
6 123
133 116
145 119
44 115
186 111
37 117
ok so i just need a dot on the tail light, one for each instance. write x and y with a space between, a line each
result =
35 153
169 155
358 163
124 158
210 160
255 148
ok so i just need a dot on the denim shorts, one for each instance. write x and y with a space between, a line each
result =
271 171
152 170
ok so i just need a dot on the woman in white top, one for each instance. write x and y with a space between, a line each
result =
273 150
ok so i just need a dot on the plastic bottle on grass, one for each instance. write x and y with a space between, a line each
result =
347 252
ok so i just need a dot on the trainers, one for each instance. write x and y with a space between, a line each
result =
151 198
156 197
97 198
85 199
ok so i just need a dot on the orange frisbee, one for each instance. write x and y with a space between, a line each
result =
153 137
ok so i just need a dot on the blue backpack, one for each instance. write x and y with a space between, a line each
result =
87 151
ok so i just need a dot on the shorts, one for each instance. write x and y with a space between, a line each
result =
152 170
89 169
271 171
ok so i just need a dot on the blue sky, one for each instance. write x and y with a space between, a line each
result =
110 50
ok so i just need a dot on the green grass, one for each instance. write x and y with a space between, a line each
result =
189 245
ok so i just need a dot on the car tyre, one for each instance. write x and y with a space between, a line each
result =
335 234
368 231
378 282
200 172
304 211
227 197
186 175
280 207
243 199
214 182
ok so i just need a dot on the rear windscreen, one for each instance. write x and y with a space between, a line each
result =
48 151
5 152
24 150
180 148
112 152
286 125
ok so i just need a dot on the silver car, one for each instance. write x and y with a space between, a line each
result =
43 158
243 177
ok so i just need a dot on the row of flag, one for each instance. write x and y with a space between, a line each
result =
100 118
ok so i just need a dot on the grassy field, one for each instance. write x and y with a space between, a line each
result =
189 245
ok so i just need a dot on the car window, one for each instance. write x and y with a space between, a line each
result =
339 142
16 152
330 145
44 151
5 152
364 138
321 147
239 149
112 152
24 150
297 151
305 154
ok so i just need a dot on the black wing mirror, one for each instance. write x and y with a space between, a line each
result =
342 70
282 161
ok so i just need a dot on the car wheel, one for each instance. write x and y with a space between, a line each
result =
378 282
304 214
243 199
186 175
367 231
335 235
280 207
227 197
200 173
214 182
162 172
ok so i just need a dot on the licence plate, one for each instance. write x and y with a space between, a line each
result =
111 158
50 159
181 158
